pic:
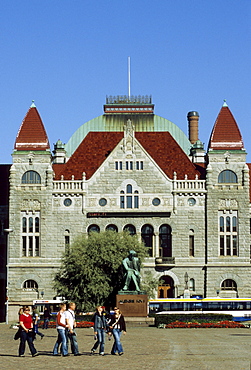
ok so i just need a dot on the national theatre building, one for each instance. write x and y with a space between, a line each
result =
128 169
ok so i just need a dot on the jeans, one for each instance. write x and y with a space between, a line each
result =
26 337
46 322
100 341
73 341
117 346
35 328
61 340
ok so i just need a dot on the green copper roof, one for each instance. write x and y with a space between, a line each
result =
115 122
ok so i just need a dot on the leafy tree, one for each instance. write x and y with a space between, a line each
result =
91 273
150 284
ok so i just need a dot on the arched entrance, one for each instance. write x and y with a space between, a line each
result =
166 287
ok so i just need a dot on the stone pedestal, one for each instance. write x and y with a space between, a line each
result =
132 304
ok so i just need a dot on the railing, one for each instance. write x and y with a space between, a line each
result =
165 260
132 99
195 185
70 185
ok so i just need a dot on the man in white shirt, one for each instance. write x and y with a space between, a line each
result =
71 322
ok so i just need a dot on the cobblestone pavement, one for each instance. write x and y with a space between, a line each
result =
145 348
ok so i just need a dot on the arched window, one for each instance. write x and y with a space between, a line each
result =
30 284
165 240
129 198
191 243
131 229
67 240
31 177
229 284
227 176
112 228
192 285
147 237
93 228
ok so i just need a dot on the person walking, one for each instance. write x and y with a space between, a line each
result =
117 326
71 333
27 334
36 318
61 327
100 326
47 316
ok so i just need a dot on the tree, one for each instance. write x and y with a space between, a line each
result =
91 273
150 284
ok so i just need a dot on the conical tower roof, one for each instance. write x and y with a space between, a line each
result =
225 134
32 134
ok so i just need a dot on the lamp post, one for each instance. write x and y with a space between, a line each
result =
42 294
7 231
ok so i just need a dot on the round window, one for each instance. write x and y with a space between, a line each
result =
102 202
156 202
191 201
67 202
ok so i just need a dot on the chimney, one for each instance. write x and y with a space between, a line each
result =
193 127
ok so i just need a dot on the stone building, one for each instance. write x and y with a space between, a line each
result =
131 169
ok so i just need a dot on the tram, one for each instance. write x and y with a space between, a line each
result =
237 307
52 305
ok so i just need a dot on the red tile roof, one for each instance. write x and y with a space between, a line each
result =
32 134
89 155
225 134
96 146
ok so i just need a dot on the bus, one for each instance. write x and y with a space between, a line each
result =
51 304
239 308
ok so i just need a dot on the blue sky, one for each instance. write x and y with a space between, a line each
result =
68 55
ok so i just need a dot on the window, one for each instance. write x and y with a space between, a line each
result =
192 285
130 198
191 243
30 285
139 165
131 229
31 234
165 241
31 177
227 176
118 165
112 228
228 233
147 237
93 228
229 284
67 240
129 165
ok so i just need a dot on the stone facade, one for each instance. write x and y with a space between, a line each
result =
178 216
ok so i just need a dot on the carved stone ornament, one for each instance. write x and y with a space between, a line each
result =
128 137
31 204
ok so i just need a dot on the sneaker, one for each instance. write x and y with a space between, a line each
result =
66 355
101 354
35 354
42 336
77 354
92 351
21 355
121 353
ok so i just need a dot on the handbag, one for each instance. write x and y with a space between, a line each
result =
18 333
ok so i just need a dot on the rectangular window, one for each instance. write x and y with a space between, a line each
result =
228 233
128 201
30 234
122 201
118 165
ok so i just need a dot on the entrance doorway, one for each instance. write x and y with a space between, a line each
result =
166 288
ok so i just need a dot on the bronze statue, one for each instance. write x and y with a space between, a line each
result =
132 267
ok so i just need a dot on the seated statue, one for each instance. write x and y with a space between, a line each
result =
132 267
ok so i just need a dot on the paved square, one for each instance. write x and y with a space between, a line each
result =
145 348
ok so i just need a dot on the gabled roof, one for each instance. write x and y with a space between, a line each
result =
96 146
89 155
225 134
32 134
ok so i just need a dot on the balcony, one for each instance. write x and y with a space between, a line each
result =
164 261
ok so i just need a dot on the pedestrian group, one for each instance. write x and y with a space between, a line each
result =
113 325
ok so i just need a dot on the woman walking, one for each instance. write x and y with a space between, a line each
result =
27 333
61 327
100 326
117 326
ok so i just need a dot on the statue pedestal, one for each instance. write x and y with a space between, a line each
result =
132 304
